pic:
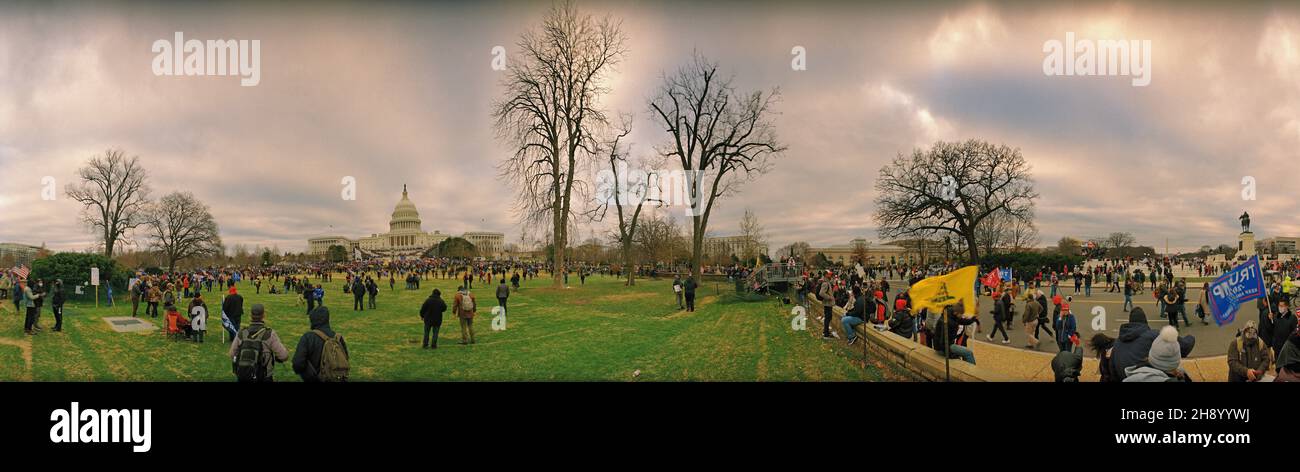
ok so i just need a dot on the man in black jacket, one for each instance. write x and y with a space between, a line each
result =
56 302
1265 321
689 288
1284 323
1044 323
431 312
233 307
358 294
306 357
1134 343
309 295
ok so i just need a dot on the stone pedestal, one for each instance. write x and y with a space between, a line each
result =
1245 245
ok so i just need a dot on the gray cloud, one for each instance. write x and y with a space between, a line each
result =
400 94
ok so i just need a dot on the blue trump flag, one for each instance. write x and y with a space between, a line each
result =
1239 285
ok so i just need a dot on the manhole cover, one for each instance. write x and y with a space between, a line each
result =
125 324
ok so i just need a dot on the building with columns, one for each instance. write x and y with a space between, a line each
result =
405 237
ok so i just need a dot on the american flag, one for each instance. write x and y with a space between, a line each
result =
21 272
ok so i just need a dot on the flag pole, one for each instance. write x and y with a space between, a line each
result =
947 356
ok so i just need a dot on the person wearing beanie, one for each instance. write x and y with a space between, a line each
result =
1134 343
431 312
182 323
1068 364
232 309
1248 356
272 350
1066 329
1163 362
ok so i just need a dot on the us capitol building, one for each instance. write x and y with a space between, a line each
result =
405 237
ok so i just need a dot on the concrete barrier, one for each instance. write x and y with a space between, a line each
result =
919 361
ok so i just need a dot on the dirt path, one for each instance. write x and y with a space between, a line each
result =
24 345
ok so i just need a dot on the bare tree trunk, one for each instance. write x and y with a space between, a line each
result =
970 243
558 241
697 251
627 261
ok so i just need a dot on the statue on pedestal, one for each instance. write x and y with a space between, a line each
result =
1245 222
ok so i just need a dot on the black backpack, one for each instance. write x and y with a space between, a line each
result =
249 363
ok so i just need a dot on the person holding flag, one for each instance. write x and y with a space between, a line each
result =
1236 286
953 295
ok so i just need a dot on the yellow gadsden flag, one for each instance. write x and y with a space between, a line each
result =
940 291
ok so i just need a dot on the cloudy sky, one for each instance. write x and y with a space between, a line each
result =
400 94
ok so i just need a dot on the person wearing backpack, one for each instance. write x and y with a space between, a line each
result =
677 290
465 308
1248 356
256 349
322 354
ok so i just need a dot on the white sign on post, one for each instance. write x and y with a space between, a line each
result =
94 276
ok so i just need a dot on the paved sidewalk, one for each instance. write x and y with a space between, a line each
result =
1036 366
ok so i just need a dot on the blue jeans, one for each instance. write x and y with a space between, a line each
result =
962 352
849 322
1128 302
1087 291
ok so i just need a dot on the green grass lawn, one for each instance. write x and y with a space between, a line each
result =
598 331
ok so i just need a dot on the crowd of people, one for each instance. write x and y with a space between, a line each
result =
1267 349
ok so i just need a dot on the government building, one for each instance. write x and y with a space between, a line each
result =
728 246
405 238
895 252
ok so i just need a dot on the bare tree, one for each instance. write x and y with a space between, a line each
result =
753 237
1069 246
1120 242
626 190
722 138
795 249
952 188
660 239
114 196
182 227
550 113
1023 234
860 252
994 233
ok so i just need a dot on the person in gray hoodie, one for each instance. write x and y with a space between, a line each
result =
1163 362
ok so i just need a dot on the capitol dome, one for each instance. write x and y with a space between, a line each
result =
406 219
